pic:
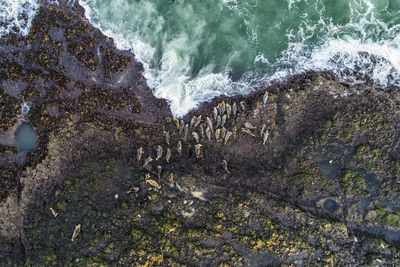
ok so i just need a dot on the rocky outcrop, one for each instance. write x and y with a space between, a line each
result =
305 176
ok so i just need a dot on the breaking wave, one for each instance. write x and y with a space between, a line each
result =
195 50
16 16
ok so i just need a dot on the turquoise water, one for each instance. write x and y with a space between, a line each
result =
194 50
25 138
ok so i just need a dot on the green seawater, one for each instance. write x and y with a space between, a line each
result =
194 50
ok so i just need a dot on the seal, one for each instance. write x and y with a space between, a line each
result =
209 123
179 147
242 106
234 109
223 120
139 154
215 113
248 125
218 122
208 133
196 136
265 137
197 150
159 152
228 110
227 136
167 137
225 164
168 155
246 130
265 98
217 134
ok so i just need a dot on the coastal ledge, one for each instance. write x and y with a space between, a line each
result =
305 174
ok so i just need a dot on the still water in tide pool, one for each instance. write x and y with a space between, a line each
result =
25 138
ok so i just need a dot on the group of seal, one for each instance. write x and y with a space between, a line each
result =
204 130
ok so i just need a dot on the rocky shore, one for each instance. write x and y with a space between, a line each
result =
303 172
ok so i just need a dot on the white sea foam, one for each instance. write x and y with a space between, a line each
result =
16 16
337 51
170 79
353 60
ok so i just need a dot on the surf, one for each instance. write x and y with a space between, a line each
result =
193 51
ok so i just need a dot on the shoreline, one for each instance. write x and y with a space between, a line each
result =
239 201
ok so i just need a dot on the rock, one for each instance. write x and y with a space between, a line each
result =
328 168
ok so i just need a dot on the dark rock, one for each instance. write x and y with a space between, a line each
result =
328 170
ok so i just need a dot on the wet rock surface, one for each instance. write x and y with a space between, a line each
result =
307 174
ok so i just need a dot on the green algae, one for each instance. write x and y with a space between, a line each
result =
372 157
352 183
383 215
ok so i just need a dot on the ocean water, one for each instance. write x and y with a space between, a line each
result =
195 50
16 16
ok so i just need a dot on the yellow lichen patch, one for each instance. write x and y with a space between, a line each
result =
198 194
152 260
220 215
189 214
258 244
281 245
